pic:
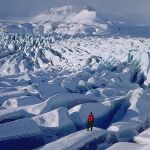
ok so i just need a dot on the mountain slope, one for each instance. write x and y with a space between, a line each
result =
61 20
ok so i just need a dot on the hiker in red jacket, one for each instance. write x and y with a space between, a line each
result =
90 121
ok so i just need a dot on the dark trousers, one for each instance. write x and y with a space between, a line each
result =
90 125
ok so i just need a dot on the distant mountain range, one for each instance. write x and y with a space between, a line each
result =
65 20
60 20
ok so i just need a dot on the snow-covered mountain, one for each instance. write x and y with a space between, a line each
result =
66 20
61 20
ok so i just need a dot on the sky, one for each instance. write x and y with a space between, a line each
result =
131 11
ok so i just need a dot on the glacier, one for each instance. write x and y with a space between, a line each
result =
59 66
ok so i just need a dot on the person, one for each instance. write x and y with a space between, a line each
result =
90 121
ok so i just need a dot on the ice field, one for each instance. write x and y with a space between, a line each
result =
52 79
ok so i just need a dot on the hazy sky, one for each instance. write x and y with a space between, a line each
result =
134 11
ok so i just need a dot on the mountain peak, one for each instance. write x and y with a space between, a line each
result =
57 14
88 8
63 9
63 20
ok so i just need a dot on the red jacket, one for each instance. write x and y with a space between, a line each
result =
91 118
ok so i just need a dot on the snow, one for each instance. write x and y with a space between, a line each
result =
73 84
24 127
60 100
11 94
126 146
143 138
102 113
138 110
82 74
62 64
60 20
21 101
123 131
54 15
65 53
55 122
84 16
76 140
146 147
136 117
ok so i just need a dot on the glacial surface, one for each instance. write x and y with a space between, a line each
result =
50 82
